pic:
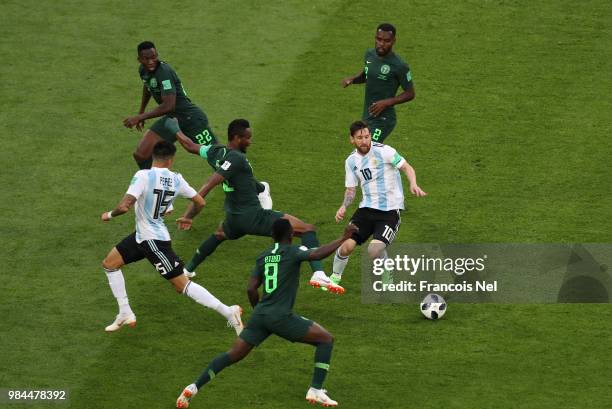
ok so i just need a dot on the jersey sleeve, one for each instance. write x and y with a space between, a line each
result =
204 151
391 156
350 179
231 165
138 184
184 189
302 253
404 76
166 80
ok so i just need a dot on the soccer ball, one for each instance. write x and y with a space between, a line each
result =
433 306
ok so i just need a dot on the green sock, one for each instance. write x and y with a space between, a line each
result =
207 247
220 362
145 164
322 358
310 240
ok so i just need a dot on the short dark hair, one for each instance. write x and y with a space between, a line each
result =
164 150
281 230
357 126
145 45
237 128
386 27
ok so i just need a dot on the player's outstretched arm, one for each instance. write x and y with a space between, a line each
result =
194 208
349 196
252 292
328 249
411 176
189 145
355 79
186 219
123 207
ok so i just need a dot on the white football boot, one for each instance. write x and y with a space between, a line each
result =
120 321
320 280
265 199
188 393
319 396
189 274
236 321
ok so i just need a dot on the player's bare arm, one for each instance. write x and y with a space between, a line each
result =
355 79
252 292
185 221
123 207
377 107
168 105
195 207
328 249
411 176
189 145
349 196
146 96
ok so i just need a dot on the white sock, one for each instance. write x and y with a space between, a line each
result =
117 285
202 296
340 263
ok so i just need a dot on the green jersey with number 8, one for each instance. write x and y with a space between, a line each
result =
279 270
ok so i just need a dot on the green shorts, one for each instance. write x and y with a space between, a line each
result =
290 326
380 127
195 126
256 223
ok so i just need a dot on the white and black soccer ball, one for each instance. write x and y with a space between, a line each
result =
433 306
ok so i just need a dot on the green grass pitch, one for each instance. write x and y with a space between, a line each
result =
509 135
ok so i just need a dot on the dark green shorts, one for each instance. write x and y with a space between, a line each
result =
195 127
256 223
290 326
380 128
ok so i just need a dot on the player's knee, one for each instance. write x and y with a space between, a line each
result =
237 354
347 248
179 287
376 249
109 264
220 235
106 264
139 156
309 228
328 338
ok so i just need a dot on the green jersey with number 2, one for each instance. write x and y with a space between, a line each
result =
384 75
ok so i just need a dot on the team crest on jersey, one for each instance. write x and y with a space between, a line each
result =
385 69
153 83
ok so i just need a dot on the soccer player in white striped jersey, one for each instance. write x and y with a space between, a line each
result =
376 167
153 191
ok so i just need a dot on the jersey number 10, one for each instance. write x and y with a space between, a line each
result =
366 173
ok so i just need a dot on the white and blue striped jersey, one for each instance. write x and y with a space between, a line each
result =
155 190
378 174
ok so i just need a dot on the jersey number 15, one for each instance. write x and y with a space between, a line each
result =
163 198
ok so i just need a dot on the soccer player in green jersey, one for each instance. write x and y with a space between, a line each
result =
278 269
162 82
243 211
383 73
